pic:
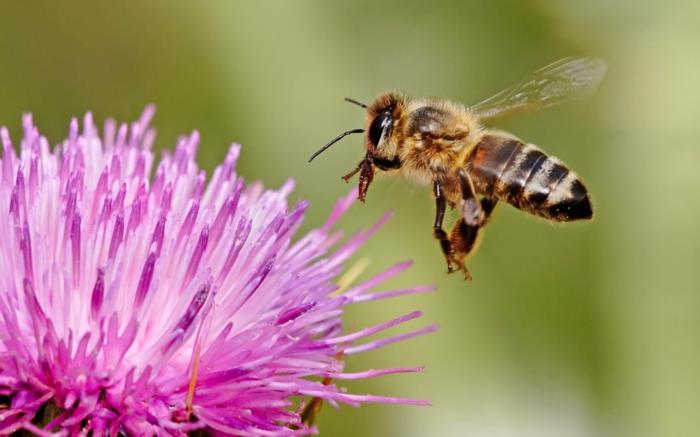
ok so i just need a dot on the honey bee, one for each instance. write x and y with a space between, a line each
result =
471 167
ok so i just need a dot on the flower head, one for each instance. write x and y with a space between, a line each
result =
161 305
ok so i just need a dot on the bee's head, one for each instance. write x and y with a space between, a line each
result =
380 122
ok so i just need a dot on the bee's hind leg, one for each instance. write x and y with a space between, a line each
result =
474 216
487 205
454 261
462 241
473 212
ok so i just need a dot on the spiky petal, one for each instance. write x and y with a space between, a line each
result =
161 306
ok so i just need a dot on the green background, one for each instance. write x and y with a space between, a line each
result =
578 330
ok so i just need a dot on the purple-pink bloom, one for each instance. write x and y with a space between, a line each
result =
160 305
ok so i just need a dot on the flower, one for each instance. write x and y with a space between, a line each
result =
161 307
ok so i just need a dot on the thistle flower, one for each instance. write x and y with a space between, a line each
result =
166 305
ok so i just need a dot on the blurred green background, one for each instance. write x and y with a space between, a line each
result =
580 330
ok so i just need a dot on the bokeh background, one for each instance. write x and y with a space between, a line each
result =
580 330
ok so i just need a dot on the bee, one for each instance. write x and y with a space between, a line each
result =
472 167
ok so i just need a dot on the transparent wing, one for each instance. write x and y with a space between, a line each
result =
564 80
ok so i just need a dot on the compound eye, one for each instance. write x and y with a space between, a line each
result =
380 124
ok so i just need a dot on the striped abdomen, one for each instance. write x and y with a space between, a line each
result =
524 176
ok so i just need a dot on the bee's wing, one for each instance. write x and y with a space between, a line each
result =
564 80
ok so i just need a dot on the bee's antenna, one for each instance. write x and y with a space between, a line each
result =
335 140
349 100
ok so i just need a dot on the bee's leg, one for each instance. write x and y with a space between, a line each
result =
487 205
464 237
472 211
462 241
474 216
357 169
439 233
